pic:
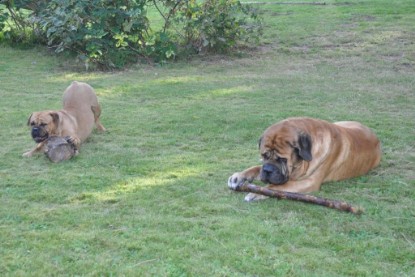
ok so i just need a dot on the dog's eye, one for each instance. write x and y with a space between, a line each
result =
266 156
283 160
32 124
42 125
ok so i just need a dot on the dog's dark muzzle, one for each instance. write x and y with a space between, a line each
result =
273 174
39 134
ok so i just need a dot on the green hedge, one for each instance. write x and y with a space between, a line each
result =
112 34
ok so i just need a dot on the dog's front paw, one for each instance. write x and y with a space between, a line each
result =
27 154
71 141
236 180
74 141
254 197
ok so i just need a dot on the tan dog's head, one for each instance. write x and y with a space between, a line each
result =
43 124
283 149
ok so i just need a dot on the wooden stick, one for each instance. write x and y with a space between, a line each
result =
334 204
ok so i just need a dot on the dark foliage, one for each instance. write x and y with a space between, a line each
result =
112 34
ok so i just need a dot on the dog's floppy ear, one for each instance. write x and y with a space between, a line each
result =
303 147
28 120
55 117
260 142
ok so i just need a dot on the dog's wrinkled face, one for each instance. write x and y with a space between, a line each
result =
282 151
43 125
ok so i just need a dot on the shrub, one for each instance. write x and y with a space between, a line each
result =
107 33
219 25
16 22
111 34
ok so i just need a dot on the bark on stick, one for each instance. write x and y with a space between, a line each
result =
334 204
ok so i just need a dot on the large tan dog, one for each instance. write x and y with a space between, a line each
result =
81 111
299 154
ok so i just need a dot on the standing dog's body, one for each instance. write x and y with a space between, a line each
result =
81 111
299 154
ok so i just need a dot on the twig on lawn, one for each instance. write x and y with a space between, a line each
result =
409 242
334 204
144 262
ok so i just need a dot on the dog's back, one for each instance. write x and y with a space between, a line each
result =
78 100
361 150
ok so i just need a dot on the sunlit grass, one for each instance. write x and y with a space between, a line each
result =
178 80
136 185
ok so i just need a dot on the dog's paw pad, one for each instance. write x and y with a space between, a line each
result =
236 180
254 197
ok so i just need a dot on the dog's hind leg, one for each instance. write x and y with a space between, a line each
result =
97 113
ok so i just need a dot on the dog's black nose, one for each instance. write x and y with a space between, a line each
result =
35 131
268 168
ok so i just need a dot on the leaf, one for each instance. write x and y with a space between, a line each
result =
169 54
127 26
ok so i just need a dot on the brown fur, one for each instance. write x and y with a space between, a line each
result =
339 151
81 111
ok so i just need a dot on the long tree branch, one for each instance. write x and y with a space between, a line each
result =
334 204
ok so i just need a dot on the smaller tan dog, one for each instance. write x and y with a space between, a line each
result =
81 111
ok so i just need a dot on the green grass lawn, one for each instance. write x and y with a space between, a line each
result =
150 198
